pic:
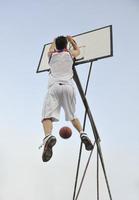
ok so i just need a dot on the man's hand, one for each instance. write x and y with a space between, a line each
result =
70 39
52 48
76 51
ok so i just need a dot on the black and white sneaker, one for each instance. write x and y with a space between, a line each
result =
86 141
48 142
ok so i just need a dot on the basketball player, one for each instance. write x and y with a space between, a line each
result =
61 93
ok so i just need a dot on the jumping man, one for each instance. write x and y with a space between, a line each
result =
61 93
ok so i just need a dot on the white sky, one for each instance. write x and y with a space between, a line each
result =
25 26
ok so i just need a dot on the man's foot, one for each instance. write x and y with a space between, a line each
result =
87 142
49 142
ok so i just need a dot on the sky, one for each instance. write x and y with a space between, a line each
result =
25 26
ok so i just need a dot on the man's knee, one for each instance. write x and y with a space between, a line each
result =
47 120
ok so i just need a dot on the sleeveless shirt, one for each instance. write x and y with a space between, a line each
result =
60 64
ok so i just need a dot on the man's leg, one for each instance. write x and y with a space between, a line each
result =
49 140
84 138
47 126
76 123
68 104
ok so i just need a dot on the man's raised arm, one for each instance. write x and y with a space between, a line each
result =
76 51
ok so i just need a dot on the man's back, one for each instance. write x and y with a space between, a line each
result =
61 65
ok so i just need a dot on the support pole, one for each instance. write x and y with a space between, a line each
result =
97 175
81 145
95 132
88 111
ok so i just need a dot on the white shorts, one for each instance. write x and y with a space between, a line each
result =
59 95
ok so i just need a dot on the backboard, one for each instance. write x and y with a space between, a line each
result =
94 45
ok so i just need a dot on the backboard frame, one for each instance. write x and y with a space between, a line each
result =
83 61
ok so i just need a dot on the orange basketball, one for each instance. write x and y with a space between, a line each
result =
65 132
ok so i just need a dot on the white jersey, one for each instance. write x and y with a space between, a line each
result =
60 67
61 92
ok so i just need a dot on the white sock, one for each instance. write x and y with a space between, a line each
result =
44 140
47 137
82 133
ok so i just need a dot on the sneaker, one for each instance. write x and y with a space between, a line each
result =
87 142
48 142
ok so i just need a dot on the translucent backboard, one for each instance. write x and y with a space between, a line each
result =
94 45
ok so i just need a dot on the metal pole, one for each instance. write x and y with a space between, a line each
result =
96 135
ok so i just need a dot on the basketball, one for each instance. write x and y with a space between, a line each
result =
65 132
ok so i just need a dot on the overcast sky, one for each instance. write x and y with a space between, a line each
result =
113 96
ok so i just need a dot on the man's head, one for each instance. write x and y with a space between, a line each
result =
61 42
